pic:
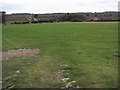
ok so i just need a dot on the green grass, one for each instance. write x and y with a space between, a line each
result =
86 47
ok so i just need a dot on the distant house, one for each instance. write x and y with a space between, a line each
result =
94 18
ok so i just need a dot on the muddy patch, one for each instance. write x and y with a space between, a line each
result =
18 53
116 56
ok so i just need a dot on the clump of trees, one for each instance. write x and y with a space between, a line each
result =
73 17
69 17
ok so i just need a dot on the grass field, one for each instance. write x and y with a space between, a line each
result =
86 49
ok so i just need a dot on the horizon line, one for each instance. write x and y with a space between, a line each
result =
56 12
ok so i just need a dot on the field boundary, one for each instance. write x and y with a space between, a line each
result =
86 22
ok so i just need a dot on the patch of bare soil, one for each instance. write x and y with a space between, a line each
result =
18 53
117 56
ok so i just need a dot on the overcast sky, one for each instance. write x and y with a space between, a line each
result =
57 6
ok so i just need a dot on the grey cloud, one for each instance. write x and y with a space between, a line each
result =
7 7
